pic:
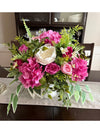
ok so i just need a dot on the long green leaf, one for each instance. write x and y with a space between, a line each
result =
76 95
19 88
77 87
13 81
91 97
9 105
83 97
87 88
14 104
71 89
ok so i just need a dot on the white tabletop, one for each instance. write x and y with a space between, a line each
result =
26 99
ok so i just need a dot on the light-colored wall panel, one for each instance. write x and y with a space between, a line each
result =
7 27
96 59
7 33
92 35
92 31
5 56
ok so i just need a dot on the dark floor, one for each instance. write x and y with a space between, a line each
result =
93 76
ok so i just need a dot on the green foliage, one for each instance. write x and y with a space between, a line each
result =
59 60
65 40
68 37
9 105
14 100
60 76
27 29
61 94
19 88
12 73
20 40
13 81
49 96
78 48
75 29
37 90
83 97
78 88
23 57
91 97
76 95
13 49
14 103
43 80
71 90
87 88
44 48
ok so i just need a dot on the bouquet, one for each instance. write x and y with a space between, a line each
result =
49 62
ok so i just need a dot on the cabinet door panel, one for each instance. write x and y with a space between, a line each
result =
61 113
27 112
34 17
67 17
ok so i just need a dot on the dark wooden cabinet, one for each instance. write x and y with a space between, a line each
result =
48 113
54 21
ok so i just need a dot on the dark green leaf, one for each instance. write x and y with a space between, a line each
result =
43 80
38 91
30 89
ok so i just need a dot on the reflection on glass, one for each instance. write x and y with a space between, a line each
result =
34 17
68 17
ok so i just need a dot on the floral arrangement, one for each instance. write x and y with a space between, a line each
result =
49 62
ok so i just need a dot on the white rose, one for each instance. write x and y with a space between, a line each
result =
46 54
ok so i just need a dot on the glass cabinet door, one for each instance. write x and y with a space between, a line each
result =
67 17
35 17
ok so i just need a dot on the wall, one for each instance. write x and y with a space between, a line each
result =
7 27
92 35
7 33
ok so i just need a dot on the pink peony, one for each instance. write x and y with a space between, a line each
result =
31 73
23 48
66 68
52 35
68 52
79 69
52 68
